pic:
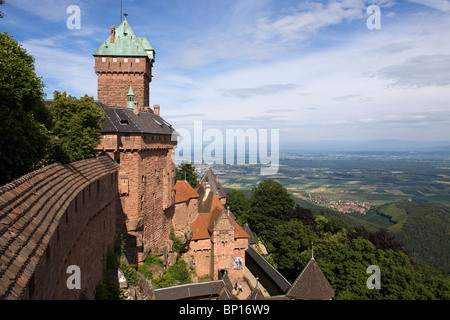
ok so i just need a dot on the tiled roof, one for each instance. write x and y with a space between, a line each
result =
209 204
252 239
184 192
210 178
268 269
311 284
123 120
194 290
200 227
30 210
256 294
209 212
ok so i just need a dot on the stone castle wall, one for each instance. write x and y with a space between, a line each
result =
114 77
59 216
146 187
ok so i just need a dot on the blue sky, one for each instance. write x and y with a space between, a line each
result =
311 69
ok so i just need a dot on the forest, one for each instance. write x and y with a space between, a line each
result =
342 250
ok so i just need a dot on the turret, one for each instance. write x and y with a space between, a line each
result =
124 58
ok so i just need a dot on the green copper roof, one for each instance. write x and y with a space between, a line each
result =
126 44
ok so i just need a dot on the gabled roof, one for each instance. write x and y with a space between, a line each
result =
194 290
252 239
209 211
273 274
126 44
256 294
123 120
311 284
209 204
184 192
210 178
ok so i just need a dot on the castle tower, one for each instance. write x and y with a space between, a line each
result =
138 139
122 59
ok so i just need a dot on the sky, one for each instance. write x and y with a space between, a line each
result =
314 70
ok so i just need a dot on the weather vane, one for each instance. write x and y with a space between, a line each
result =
122 15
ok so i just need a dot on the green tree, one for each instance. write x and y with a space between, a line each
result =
77 127
186 170
292 238
344 261
270 204
239 205
26 121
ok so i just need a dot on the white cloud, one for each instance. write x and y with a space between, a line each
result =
63 70
302 24
343 92
48 10
442 5
243 93
420 71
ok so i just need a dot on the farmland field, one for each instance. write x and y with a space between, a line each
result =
372 178
406 193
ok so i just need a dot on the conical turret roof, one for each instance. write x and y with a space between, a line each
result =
311 284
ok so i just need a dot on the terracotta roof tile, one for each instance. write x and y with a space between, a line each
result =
200 227
184 192
30 208
209 211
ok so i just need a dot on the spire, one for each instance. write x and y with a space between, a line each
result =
312 250
130 98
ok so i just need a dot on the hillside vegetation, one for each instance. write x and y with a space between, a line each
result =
344 249
424 228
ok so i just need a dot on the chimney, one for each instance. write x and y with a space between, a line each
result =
113 33
156 109
136 108
207 190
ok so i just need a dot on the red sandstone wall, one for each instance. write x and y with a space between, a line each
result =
115 75
225 248
181 216
148 171
201 250
158 195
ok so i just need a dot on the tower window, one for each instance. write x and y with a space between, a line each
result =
103 59
114 59
137 60
125 60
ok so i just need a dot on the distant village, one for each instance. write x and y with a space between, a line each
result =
344 206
